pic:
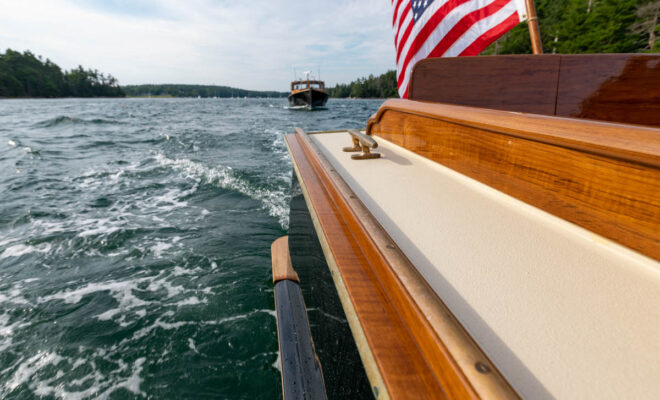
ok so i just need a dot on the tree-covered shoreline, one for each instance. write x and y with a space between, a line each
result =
567 27
24 75
377 87
588 26
180 90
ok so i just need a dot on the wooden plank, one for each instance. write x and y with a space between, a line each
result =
281 261
610 87
603 177
514 83
411 359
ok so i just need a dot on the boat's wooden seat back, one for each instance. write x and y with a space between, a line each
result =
608 87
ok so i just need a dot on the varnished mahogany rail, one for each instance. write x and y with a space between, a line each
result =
609 87
405 354
604 177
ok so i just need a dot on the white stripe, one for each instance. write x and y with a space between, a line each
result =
404 26
447 24
418 26
522 9
479 29
399 11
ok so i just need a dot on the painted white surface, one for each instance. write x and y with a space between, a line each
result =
561 311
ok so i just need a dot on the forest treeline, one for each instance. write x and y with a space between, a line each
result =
175 90
27 75
567 26
588 26
382 86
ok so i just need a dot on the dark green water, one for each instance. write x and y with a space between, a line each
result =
134 244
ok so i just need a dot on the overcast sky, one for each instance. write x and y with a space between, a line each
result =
241 43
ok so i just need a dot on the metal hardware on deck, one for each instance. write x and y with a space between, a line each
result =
363 143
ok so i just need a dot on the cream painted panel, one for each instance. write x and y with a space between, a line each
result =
561 311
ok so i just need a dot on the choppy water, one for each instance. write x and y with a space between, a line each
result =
134 244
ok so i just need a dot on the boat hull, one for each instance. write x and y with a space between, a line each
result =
309 98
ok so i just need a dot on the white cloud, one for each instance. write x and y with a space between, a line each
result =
252 45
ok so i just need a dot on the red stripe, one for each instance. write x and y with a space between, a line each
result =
404 14
404 39
433 22
398 3
491 35
456 32
465 24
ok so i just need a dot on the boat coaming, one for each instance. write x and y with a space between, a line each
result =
518 278
402 358
496 254
308 98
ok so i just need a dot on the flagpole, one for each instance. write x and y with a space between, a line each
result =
533 24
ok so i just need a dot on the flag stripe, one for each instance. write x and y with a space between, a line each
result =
483 41
418 25
436 29
460 29
447 28
457 32
396 10
406 34
406 20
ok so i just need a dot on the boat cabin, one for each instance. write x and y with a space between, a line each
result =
307 84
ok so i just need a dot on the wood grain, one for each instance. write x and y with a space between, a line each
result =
514 83
281 261
413 361
603 177
608 87
612 87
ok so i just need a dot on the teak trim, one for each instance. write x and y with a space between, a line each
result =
420 349
633 143
604 177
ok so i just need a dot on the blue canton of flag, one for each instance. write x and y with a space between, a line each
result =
418 8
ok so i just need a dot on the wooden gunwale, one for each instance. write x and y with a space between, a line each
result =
633 143
604 177
413 359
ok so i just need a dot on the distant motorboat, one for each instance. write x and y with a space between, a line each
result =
308 93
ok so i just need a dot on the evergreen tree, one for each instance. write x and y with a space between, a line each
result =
647 23
586 26
26 75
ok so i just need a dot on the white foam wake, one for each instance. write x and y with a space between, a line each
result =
21 249
275 202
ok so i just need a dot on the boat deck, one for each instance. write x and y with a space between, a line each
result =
519 279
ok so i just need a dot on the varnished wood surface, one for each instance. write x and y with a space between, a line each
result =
609 87
513 83
413 361
281 261
533 26
603 177
614 87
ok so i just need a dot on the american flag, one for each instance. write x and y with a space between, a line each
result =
447 28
